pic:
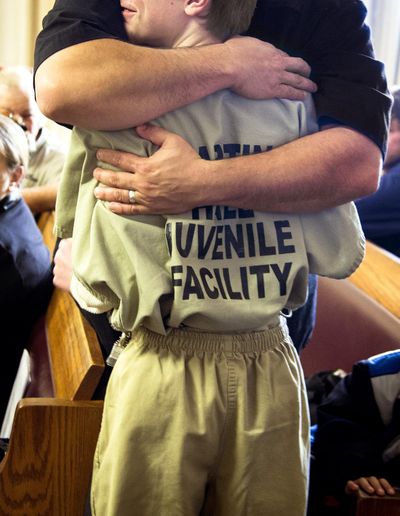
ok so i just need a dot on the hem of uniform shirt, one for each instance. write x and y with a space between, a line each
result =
86 299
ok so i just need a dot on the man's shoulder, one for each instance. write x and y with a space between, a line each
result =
296 24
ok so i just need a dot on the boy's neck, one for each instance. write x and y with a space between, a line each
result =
194 35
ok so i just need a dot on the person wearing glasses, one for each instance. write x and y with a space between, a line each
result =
46 153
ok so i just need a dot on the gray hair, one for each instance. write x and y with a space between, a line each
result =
13 144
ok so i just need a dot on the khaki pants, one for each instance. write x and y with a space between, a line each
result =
209 424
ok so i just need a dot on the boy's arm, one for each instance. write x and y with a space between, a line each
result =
136 84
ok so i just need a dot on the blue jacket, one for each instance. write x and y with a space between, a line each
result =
358 432
25 285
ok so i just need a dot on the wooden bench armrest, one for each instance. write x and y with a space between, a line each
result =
76 359
46 225
47 435
366 505
379 277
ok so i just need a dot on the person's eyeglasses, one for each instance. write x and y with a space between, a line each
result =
15 117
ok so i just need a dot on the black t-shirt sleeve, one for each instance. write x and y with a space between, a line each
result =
331 35
352 83
75 21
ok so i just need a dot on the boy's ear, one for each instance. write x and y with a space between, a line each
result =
197 7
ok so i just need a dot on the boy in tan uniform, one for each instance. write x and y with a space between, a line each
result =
205 409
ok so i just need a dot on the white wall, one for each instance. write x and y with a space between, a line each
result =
384 20
20 22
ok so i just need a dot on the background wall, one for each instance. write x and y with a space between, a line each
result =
20 22
384 20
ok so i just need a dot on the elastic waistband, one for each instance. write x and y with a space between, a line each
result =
187 339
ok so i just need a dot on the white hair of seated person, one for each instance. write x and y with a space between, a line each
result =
14 156
17 100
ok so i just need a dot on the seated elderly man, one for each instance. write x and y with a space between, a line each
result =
46 153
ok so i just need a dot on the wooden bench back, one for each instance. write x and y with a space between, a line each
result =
76 361
357 317
350 326
75 356
379 277
46 226
48 466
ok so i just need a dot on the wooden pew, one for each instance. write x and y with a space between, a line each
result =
366 505
46 225
350 326
48 465
357 317
379 277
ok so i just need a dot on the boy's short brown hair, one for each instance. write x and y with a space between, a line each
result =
230 17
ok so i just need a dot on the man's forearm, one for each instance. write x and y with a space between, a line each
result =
109 84
40 198
107 77
308 175
313 173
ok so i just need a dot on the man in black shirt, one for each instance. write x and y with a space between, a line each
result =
135 84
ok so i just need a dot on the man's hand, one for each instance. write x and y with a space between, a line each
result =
371 485
264 72
286 180
63 265
160 186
